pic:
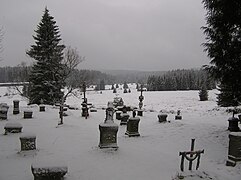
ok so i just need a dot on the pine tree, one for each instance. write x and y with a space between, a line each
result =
125 86
203 93
46 75
223 44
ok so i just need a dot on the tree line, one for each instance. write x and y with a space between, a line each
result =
21 74
181 80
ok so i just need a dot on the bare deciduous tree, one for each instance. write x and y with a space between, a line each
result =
71 60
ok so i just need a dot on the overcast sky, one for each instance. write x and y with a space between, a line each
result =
112 34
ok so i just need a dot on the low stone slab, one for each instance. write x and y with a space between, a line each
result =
162 117
27 114
49 170
13 127
28 141
178 117
93 110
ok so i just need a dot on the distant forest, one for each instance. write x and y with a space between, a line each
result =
20 74
155 81
181 80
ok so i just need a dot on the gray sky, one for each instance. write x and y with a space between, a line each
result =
112 34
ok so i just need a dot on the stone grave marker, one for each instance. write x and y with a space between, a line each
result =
3 111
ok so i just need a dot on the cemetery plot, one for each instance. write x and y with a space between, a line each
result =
153 155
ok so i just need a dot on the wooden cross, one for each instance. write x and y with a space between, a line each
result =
191 156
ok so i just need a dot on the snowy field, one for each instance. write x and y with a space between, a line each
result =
152 156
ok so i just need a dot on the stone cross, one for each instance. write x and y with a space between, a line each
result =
141 98
84 104
109 112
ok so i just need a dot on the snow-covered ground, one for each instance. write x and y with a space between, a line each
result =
152 156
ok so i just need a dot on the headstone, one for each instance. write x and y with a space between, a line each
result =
233 124
178 116
49 170
3 111
16 107
27 114
41 108
162 118
108 130
139 112
118 115
133 127
13 127
234 148
28 142
124 109
124 118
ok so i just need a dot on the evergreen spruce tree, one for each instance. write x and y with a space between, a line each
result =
203 93
46 77
102 85
223 32
125 86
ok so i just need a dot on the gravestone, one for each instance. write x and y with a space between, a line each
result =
28 141
234 148
46 170
3 111
108 130
140 112
133 127
118 115
27 114
13 127
178 116
233 124
41 108
16 107
124 118
162 118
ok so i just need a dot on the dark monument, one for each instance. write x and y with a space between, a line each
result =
233 124
162 118
28 142
108 129
133 126
234 148
178 116
3 111
27 114
16 107
125 116
141 98
85 112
